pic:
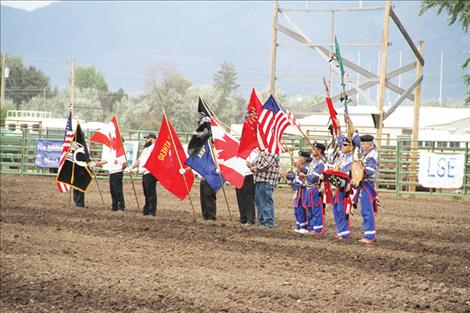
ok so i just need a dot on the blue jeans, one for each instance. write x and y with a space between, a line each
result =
264 203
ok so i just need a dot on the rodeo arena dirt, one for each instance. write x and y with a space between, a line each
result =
58 259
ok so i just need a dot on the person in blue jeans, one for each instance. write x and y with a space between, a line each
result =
266 176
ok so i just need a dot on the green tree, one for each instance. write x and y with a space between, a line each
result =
87 77
457 10
24 83
226 79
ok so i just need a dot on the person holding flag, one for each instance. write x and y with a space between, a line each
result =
201 160
248 143
316 214
113 161
75 170
149 182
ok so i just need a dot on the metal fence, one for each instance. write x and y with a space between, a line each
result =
399 164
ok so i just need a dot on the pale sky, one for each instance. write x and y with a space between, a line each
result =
26 5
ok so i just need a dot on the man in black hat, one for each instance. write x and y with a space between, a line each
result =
299 185
367 193
316 211
149 182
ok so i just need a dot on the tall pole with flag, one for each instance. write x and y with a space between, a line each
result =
179 162
71 105
211 147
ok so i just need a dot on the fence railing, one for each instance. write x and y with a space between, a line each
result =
399 163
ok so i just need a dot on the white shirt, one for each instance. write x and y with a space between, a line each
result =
143 159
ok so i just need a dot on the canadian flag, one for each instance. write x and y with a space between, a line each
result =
232 167
110 137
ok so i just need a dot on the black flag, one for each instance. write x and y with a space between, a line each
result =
203 131
75 170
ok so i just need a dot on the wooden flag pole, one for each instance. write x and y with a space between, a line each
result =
179 161
101 194
130 170
211 147
72 87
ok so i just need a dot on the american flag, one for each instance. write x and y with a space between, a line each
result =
271 126
292 118
65 148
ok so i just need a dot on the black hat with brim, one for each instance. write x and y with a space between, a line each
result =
367 139
150 135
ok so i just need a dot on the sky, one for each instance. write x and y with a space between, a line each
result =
26 5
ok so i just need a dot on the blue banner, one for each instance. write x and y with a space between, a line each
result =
202 162
48 153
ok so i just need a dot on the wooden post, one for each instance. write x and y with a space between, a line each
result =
415 132
272 71
2 91
383 72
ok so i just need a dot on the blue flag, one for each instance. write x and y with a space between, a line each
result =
202 162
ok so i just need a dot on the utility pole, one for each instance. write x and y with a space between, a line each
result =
440 78
272 72
383 72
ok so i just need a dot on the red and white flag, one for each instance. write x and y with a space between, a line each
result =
271 126
111 138
232 167
68 138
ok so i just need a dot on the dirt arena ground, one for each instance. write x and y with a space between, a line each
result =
58 259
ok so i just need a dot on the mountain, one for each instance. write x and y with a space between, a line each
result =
124 39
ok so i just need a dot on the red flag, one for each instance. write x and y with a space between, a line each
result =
232 167
163 162
249 139
110 137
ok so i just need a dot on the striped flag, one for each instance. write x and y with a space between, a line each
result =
65 148
292 118
272 123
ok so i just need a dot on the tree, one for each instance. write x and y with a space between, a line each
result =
456 9
87 77
24 83
226 79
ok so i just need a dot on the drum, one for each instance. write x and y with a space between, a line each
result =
357 172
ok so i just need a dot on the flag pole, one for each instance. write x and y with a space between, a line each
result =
219 121
127 162
179 161
99 189
72 99
211 147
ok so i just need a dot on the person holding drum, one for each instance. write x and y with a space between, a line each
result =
366 189
316 216
298 184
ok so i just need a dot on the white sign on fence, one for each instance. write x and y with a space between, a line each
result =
439 170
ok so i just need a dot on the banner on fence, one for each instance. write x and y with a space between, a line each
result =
438 170
131 148
48 153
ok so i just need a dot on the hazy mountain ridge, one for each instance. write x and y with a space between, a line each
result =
124 40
